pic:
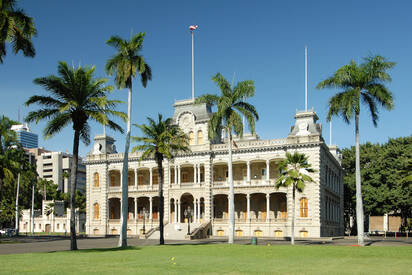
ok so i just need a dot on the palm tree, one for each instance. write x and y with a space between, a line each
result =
127 63
75 97
8 139
161 140
16 28
363 82
230 103
294 172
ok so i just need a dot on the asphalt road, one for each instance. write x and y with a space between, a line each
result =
51 244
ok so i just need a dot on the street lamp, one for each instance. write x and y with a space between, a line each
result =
188 216
143 213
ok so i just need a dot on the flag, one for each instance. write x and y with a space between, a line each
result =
193 27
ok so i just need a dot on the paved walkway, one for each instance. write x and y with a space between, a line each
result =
51 244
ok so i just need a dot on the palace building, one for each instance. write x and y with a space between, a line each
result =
199 181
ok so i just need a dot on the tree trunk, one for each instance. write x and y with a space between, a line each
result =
359 204
125 176
231 194
17 205
161 201
292 228
73 241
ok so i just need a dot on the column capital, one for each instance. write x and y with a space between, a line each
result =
248 195
268 195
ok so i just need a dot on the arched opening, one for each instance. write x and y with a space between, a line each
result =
258 171
238 233
239 172
96 211
114 177
114 208
186 201
143 203
220 173
130 178
278 233
240 207
220 233
96 231
155 208
172 210
258 233
199 137
130 206
220 207
191 138
202 209
114 231
187 174
304 208
303 234
278 205
143 177
258 207
155 176
96 179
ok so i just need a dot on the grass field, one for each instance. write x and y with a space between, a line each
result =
227 259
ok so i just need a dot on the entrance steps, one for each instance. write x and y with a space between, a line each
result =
175 231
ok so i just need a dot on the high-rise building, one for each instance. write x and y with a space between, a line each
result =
55 165
25 137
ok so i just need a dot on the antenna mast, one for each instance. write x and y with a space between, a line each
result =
306 78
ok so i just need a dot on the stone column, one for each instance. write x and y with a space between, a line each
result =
267 207
248 207
178 215
267 170
195 211
175 176
248 171
198 211
198 173
175 215
121 177
135 209
151 208
135 178
170 212
179 174
151 178
194 173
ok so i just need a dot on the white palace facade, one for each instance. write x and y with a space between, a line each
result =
199 180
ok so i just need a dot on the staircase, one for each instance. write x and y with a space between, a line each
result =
175 231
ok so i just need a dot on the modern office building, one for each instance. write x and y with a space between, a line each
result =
25 137
198 181
55 165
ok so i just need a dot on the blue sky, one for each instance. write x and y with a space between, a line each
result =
259 40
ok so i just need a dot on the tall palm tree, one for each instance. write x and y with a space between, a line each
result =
161 140
75 97
16 28
8 139
128 63
293 171
230 104
363 82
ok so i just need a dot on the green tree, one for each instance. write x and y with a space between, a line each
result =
8 140
230 104
360 83
16 28
160 140
75 97
294 171
127 63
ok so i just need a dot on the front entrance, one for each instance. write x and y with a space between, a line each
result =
47 228
186 201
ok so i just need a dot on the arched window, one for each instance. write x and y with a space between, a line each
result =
199 137
96 211
191 138
96 179
304 207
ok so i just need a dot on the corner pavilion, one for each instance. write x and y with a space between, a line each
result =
199 180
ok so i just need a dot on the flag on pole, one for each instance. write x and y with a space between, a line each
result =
193 27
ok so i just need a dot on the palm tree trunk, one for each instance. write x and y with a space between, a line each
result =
161 201
125 190
17 205
359 203
73 241
292 228
231 194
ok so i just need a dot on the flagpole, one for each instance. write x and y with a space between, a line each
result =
306 78
193 68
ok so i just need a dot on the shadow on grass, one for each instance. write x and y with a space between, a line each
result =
109 249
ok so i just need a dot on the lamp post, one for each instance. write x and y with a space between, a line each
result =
188 216
143 213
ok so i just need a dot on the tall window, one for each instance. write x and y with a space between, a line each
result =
199 137
191 138
304 207
96 179
96 211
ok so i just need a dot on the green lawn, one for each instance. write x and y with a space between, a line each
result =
232 259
